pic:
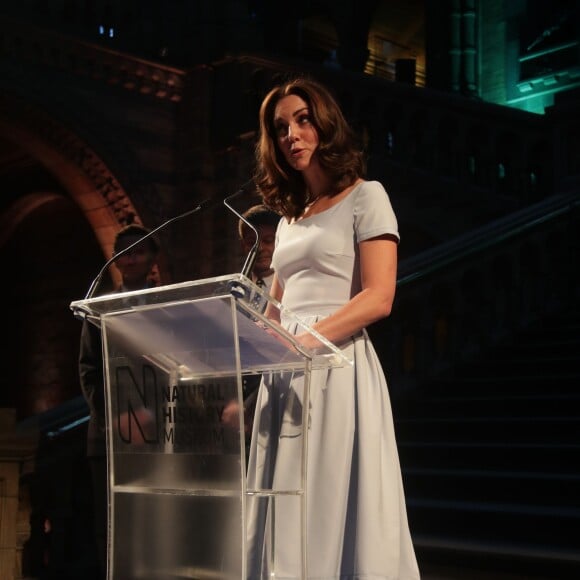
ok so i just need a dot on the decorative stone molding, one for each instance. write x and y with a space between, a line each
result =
25 42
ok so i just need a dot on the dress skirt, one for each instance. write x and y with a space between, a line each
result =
356 522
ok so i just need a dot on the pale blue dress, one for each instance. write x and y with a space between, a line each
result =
356 516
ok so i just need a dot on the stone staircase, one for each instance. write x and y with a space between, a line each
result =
491 457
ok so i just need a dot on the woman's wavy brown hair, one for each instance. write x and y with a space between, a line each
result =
281 186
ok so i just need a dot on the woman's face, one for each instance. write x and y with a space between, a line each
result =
296 135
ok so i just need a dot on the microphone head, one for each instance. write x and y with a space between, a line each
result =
247 188
238 290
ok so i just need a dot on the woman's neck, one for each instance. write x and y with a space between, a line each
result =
317 182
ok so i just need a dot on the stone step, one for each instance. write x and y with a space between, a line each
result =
551 404
449 557
538 346
435 453
535 526
484 485
524 384
540 429
524 364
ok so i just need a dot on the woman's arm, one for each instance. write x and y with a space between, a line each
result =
378 270
276 292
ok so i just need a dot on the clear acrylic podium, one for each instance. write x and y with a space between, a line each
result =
175 357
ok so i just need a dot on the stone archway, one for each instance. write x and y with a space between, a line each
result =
81 173
57 230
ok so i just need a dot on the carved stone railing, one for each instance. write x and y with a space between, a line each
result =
464 296
42 47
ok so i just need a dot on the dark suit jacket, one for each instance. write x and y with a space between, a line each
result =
92 381
93 387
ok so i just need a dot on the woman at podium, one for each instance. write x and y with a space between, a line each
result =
335 264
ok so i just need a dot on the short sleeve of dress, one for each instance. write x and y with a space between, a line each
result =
373 212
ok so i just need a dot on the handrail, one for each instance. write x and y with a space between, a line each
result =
479 239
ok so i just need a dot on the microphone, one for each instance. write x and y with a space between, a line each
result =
253 253
206 203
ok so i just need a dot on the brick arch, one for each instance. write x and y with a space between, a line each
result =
76 166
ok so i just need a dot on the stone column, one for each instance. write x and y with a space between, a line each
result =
469 42
16 458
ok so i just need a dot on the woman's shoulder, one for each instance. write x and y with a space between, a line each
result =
370 187
370 192
373 212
